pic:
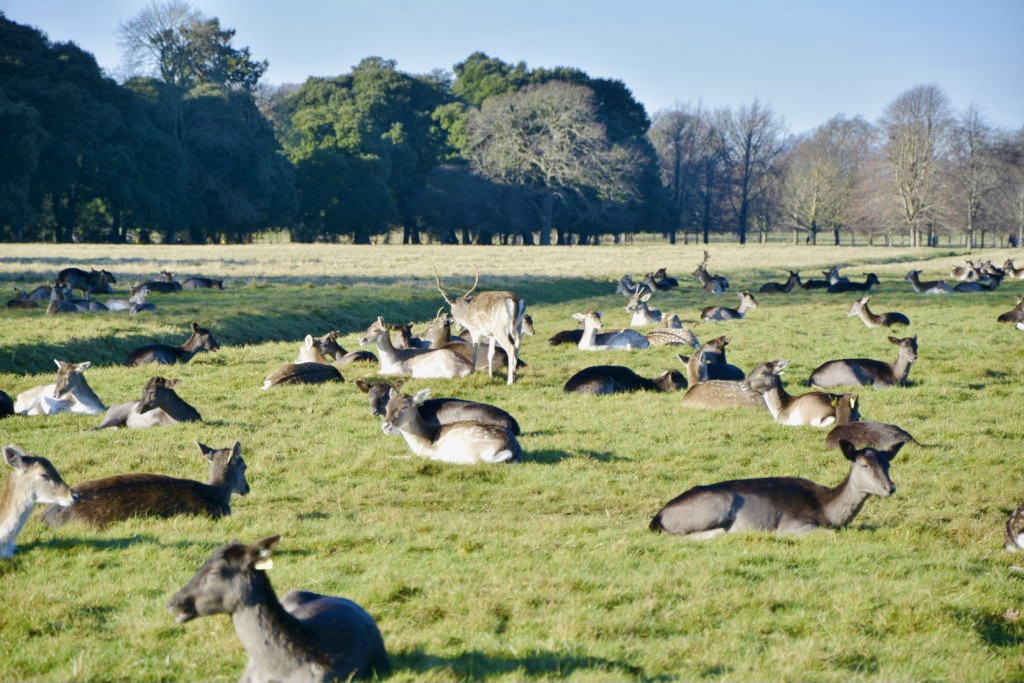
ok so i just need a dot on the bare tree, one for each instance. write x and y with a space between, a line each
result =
974 174
753 137
1008 199
150 40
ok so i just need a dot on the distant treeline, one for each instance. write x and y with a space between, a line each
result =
190 147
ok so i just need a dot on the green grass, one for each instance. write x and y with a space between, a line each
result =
543 571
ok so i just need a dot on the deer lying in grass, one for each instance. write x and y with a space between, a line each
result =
92 282
785 505
709 284
135 302
642 315
785 288
926 286
439 410
327 345
202 283
311 367
1014 532
164 284
200 340
33 481
462 443
719 313
860 308
671 331
421 363
304 638
719 393
159 405
439 336
592 340
815 408
113 499
847 286
21 300
6 405
1012 271
616 379
866 371
70 393
1015 314
709 363
59 302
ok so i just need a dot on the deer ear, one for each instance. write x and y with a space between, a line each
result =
195 327
578 316
171 382
848 449
83 366
363 386
685 359
236 449
58 363
205 450
308 341
896 449
259 553
894 340
421 396
13 455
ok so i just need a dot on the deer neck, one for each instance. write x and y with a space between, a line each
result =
901 368
869 318
273 638
776 398
172 404
841 504
83 393
419 434
219 487
790 283
15 508
589 337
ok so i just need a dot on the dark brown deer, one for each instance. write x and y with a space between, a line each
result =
710 284
1014 533
311 367
847 286
785 288
709 362
33 480
617 379
159 405
496 317
1015 314
785 505
202 283
92 282
860 308
21 300
113 499
6 405
877 435
439 410
866 371
304 638
815 408
200 340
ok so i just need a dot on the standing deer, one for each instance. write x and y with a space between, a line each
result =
815 408
785 505
439 410
420 363
497 316
138 494
860 308
866 371
719 313
304 638
159 405
785 288
616 379
200 340
591 340
70 393
33 480
461 443
710 284
642 315
93 282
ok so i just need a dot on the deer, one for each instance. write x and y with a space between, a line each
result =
663 280
926 286
112 499
137 298
671 331
720 393
626 286
439 410
591 340
989 284
1013 534
1012 271
461 443
304 638
438 336
21 299
6 405
93 282
1015 314
815 408
709 363
200 340
311 367
202 283
70 393
860 308
59 302
720 313
870 281
159 405
496 315
785 288
866 371
710 284
33 480
816 283
421 363
966 272
164 284
642 315
785 505
328 349
617 379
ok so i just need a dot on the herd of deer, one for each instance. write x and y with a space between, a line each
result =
308 636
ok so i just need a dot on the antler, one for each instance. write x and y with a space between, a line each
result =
475 283
444 294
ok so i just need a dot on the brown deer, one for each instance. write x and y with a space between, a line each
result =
866 371
860 308
311 367
70 393
159 405
304 638
719 313
709 362
926 286
1014 532
496 316
201 339
785 288
21 300
93 282
164 284
438 335
59 302
671 331
709 284
815 408
719 393
1015 314
439 410
461 443
113 499
785 505
33 480
616 379
1012 271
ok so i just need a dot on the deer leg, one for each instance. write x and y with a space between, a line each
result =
490 357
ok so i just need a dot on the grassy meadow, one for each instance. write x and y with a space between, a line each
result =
546 570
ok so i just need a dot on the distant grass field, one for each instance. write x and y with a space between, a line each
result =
546 570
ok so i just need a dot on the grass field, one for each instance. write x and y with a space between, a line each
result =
546 570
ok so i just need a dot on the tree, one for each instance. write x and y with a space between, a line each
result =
973 171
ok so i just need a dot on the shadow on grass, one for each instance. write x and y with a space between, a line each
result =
993 629
551 457
478 666
73 542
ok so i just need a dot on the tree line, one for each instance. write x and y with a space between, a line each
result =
190 147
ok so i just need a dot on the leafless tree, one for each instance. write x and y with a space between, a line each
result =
973 174
149 38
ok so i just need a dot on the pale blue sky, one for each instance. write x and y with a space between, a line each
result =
809 60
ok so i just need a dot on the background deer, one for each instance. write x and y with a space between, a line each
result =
847 286
710 284
860 308
719 313
70 393
33 480
495 316
303 638
592 340
926 286
815 408
112 499
785 505
159 405
311 366
616 379
671 331
642 315
200 340
709 362
202 283
6 405
785 288
439 410
866 371
92 282
421 363
59 302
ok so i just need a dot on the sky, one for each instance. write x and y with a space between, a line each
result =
809 60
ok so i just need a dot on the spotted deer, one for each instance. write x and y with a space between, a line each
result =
421 363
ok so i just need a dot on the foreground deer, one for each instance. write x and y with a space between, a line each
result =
642 315
70 393
421 363
159 405
616 379
200 340
866 371
112 499
461 443
785 505
926 286
860 308
305 638
494 316
719 313
439 410
815 408
33 480
592 340
1015 314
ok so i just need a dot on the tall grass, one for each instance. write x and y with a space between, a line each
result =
546 570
